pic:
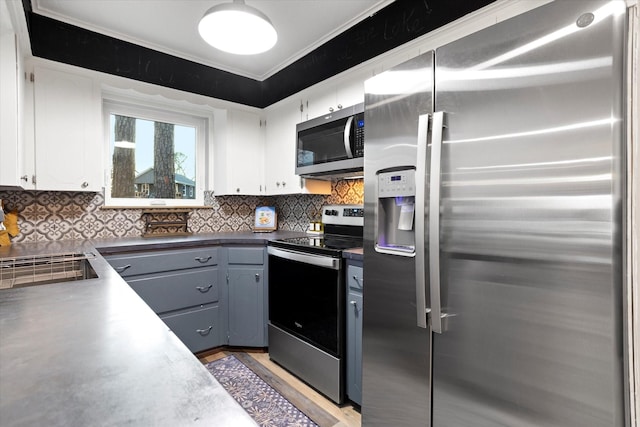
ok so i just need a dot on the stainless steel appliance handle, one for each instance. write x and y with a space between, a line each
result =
434 222
421 174
347 135
317 260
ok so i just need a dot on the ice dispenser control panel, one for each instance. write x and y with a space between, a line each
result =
397 184
395 212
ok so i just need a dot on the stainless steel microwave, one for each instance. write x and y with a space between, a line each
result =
332 144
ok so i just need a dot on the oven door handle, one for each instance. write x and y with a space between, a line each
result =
317 260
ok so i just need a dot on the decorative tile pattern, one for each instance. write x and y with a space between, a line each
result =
60 215
264 404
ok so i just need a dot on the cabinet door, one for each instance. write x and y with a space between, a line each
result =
280 145
68 142
280 154
10 106
333 97
354 347
320 103
350 93
240 154
246 307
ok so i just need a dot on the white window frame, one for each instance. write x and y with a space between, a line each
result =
158 108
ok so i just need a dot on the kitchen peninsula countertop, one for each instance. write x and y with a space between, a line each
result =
92 353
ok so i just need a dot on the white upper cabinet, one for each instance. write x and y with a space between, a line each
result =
280 154
318 104
325 99
351 93
67 132
11 88
239 153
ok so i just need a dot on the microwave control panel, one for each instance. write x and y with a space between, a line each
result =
358 135
397 183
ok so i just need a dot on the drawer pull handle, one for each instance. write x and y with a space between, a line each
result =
357 280
203 259
204 332
123 268
204 289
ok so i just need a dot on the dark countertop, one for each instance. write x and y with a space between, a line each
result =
92 353
107 246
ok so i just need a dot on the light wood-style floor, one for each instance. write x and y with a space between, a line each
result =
346 415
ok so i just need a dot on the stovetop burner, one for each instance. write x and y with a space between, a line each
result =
343 230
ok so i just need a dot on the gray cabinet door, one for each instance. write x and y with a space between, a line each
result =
246 306
354 330
354 346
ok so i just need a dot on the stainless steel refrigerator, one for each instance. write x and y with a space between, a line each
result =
493 227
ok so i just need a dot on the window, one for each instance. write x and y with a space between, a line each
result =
156 153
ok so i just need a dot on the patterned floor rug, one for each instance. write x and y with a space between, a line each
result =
265 405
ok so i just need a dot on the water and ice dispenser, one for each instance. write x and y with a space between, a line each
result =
395 212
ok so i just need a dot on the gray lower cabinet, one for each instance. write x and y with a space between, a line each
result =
247 293
182 287
208 296
354 331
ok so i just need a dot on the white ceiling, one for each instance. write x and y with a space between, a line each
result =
170 26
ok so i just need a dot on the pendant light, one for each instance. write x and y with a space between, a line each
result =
237 28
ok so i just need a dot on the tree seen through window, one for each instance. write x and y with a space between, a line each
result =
152 159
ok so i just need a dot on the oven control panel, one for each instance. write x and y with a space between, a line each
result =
343 214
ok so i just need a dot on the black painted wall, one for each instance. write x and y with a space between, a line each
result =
396 24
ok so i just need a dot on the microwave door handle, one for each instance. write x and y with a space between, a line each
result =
420 198
347 137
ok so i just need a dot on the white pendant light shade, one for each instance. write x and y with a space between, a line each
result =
237 28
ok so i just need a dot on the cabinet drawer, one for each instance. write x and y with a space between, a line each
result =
197 329
354 277
155 262
173 291
253 256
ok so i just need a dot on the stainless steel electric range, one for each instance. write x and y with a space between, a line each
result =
307 300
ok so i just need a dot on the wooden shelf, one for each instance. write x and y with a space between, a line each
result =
166 222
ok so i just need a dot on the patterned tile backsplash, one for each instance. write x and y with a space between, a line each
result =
48 215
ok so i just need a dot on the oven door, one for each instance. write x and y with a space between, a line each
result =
306 298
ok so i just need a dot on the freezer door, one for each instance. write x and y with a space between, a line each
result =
396 350
531 221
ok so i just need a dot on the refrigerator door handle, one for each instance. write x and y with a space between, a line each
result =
420 198
434 222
